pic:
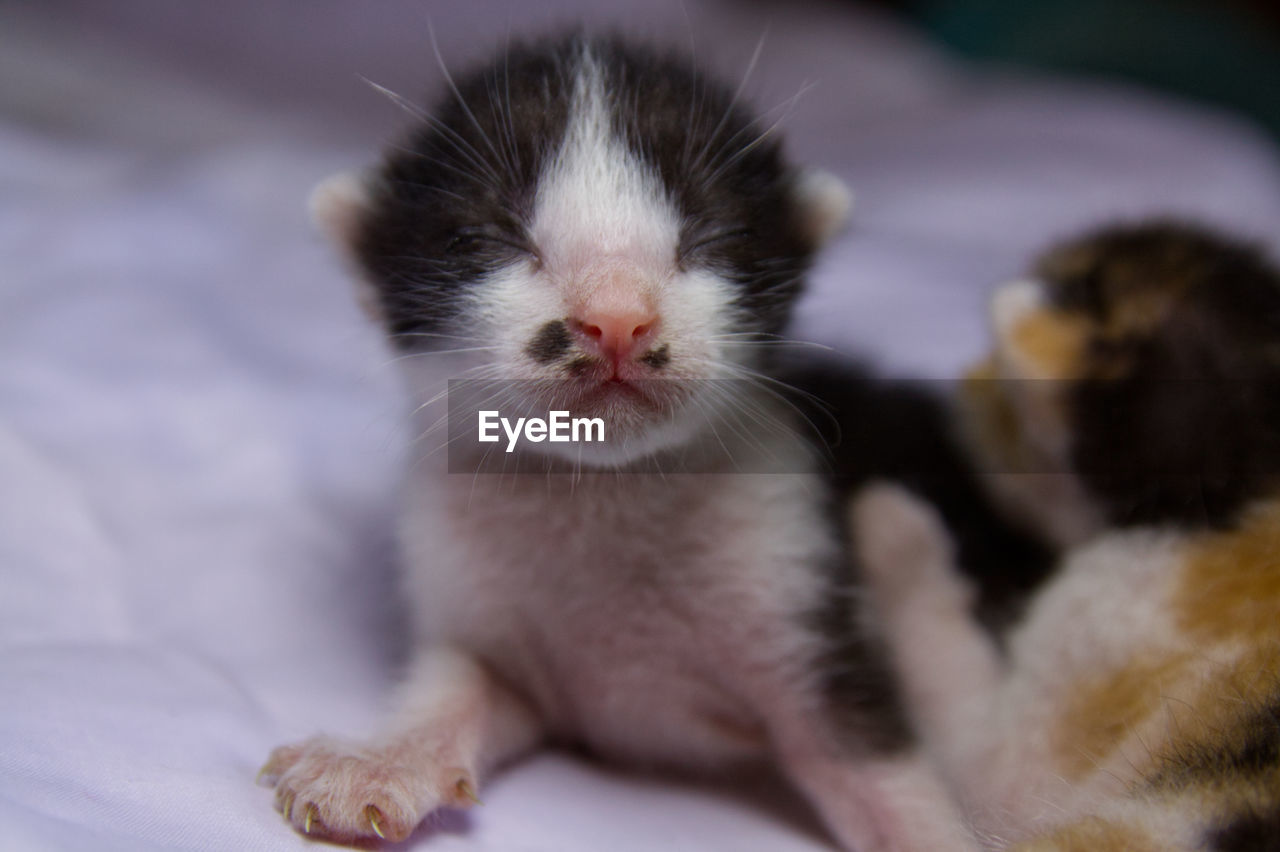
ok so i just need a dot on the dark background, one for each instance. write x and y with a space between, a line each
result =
1225 52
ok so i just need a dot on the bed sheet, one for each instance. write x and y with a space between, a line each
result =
200 435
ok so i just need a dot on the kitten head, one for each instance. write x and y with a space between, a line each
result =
1143 362
601 225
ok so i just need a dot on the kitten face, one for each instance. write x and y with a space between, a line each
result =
1141 362
605 223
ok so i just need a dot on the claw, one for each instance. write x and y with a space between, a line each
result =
311 813
286 806
372 814
262 773
467 791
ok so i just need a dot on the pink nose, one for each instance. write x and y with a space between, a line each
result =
617 335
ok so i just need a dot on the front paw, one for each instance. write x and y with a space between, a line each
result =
344 791
902 542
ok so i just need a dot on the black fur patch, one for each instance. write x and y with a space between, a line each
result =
1257 831
903 432
453 203
657 358
552 341
580 365
1246 754
864 703
869 429
1190 431
1248 749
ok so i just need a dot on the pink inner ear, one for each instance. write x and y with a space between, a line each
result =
336 205
1011 305
1013 302
824 202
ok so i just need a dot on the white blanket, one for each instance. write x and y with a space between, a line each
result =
199 434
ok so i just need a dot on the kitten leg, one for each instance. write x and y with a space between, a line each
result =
949 668
455 723
850 751
882 804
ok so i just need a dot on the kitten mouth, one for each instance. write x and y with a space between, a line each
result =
636 389
623 394
618 390
592 370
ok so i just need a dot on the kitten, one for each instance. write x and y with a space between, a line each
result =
1131 408
591 224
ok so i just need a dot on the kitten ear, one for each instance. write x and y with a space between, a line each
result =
1011 306
1036 354
337 205
824 203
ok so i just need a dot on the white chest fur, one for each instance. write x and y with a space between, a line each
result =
648 616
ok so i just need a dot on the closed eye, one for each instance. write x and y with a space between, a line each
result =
466 241
714 240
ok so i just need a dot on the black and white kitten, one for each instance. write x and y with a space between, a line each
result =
601 227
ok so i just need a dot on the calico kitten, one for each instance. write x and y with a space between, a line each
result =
1131 408
598 226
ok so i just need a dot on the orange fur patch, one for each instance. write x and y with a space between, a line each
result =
1227 604
1092 834
1051 344
991 422
1231 588
1141 312
1103 713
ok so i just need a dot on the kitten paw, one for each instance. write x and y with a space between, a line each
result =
329 788
901 540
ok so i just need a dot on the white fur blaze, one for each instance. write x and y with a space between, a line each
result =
607 233
597 199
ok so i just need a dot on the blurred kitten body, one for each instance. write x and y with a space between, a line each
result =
1130 409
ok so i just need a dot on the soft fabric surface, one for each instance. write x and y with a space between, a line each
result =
200 435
